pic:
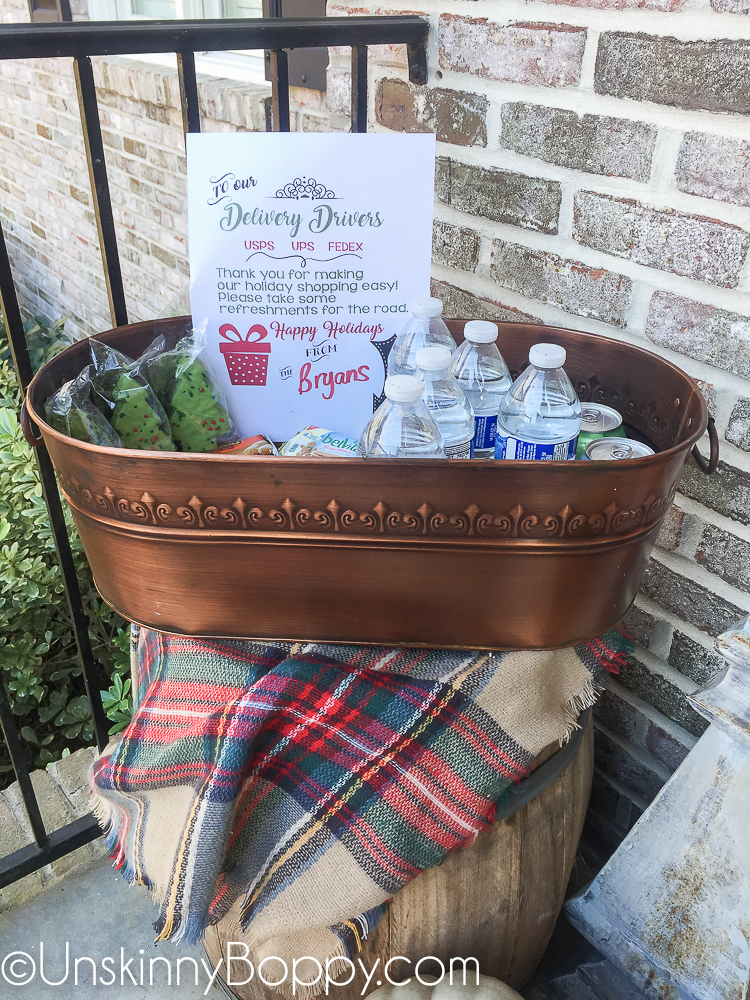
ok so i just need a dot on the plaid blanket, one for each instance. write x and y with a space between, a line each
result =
304 785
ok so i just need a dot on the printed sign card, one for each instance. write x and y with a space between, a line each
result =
305 252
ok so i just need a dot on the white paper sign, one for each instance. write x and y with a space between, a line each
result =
305 252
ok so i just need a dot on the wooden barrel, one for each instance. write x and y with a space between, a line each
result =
496 900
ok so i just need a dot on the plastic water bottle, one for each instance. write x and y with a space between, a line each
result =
402 426
425 328
446 401
540 416
484 378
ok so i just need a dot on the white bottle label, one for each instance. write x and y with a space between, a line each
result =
463 449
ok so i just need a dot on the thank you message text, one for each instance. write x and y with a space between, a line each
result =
305 251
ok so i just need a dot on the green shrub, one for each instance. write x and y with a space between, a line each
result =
38 655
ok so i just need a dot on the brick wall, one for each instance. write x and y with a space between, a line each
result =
593 171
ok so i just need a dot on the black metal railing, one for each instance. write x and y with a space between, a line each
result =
80 41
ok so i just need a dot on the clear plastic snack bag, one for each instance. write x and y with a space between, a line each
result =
70 411
107 364
194 403
135 413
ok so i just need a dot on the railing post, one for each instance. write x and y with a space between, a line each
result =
105 223
359 88
22 362
191 114
280 89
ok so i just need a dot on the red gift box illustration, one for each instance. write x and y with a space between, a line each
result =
247 360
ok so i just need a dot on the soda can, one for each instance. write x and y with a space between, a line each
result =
616 449
597 421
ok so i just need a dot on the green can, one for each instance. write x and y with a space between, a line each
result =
597 421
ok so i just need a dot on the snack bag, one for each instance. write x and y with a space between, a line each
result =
158 367
70 411
107 364
194 403
317 442
134 411
258 444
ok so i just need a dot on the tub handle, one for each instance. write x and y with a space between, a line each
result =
708 465
26 426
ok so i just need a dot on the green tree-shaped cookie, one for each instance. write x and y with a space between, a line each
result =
86 423
70 411
197 415
138 416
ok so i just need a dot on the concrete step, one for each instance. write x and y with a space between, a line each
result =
594 978
608 981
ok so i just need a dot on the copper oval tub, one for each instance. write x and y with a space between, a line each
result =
467 554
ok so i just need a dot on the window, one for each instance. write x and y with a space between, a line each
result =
247 66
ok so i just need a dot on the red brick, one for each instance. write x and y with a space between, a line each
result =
706 333
708 390
134 147
79 195
688 600
670 533
499 195
598 144
617 714
731 6
714 166
454 116
460 304
664 5
639 625
665 747
738 428
453 246
711 74
692 245
725 555
569 284
727 491
660 692
694 660
394 55
546 55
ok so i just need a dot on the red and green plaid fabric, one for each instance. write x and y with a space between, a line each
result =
253 774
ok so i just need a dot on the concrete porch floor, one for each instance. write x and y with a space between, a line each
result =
98 913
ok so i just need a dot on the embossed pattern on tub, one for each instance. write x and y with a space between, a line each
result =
519 522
